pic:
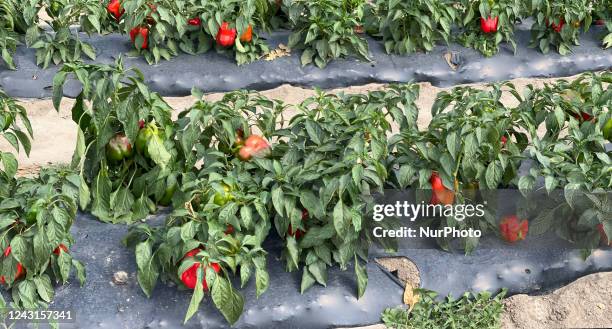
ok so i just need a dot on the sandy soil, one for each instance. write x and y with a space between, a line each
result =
55 133
585 303
405 270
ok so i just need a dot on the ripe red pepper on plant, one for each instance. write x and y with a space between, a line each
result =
144 32
504 140
60 248
556 27
512 229
190 276
254 146
114 8
583 116
440 194
226 35
196 21
20 269
489 24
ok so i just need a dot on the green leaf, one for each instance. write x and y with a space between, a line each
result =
227 300
277 199
319 272
64 261
493 175
143 254
339 216
262 278
317 235
197 296
313 204
307 281
10 164
158 151
362 278
44 288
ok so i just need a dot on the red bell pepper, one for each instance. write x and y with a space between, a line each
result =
489 24
226 35
196 21
114 8
512 229
144 32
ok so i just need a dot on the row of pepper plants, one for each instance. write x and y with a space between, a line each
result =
323 29
238 170
35 219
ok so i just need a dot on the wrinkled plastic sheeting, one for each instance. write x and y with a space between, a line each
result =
102 304
531 266
212 72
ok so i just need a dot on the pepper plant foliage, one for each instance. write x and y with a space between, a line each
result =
573 158
115 102
192 26
474 142
558 23
410 26
10 113
501 15
14 18
223 209
325 30
35 220
334 159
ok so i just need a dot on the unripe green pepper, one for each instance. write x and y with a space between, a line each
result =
607 130
118 148
222 198
171 186
144 136
33 211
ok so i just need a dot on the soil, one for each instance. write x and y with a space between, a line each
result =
55 134
405 270
585 303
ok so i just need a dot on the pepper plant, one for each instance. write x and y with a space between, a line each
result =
554 105
159 30
558 23
333 158
487 23
61 45
574 161
10 113
410 26
474 142
14 18
35 221
603 16
221 214
124 151
325 30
